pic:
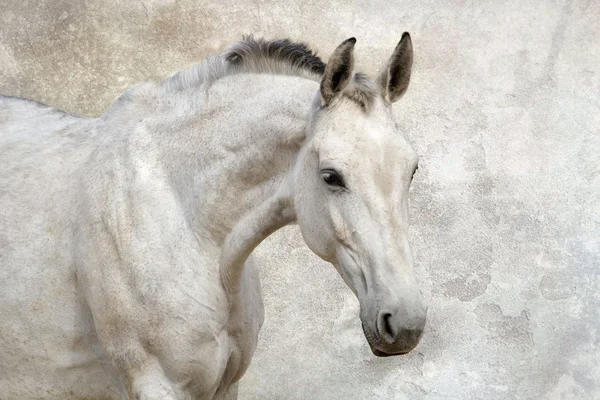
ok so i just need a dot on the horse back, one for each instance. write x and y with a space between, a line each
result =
24 118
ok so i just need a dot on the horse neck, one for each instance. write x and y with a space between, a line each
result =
232 147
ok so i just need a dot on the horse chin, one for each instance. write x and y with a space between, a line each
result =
371 339
379 353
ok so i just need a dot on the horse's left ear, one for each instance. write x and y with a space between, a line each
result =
394 77
338 71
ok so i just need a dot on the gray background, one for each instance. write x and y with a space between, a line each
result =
504 110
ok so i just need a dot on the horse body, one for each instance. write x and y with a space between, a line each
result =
102 194
125 240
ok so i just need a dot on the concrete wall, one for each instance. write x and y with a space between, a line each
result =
504 110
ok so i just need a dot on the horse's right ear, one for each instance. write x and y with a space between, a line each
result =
394 77
338 71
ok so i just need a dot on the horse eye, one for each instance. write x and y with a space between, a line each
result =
332 178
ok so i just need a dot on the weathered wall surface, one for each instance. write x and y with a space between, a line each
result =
504 110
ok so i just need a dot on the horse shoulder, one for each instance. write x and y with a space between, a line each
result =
151 282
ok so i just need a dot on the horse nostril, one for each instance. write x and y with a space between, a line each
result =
386 329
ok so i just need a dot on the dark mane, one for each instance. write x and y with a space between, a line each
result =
278 57
298 55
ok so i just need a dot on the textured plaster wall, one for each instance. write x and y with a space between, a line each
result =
504 110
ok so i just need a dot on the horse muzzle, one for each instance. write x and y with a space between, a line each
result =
391 334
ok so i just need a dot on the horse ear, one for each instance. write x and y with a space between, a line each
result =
338 71
394 77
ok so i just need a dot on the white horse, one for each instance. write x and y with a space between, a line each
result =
125 240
